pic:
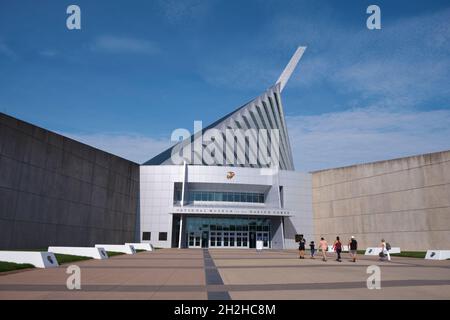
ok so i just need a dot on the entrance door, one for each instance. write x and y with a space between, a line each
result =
205 239
194 240
232 239
252 239
241 239
266 242
264 237
226 239
219 239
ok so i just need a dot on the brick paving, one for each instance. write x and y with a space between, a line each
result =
232 274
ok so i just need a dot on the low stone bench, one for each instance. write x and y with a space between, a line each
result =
35 258
141 246
92 252
128 249
437 255
344 248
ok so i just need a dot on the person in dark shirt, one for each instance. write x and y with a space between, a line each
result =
353 248
337 246
312 248
301 247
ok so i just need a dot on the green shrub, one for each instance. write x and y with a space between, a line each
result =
10 266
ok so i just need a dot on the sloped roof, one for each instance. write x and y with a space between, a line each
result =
263 112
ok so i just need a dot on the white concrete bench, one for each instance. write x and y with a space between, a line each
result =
36 258
141 246
92 252
437 255
125 248
344 248
374 251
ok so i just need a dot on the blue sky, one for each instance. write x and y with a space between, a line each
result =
137 71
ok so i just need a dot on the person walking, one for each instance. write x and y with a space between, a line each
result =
301 247
323 245
384 250
312 248
353 248
337 246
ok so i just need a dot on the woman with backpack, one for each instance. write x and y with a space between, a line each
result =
385 247
337 246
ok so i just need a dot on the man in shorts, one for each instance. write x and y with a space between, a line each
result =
301 247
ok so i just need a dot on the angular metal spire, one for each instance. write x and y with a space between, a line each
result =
287 72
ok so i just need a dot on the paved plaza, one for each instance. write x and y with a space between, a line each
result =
232 274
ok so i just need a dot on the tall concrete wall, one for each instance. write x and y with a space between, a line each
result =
57 191
406 201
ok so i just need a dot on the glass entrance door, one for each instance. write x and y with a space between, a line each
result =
228 239
252 239
194 240
264 237
216 239
205 239
241 239
229 232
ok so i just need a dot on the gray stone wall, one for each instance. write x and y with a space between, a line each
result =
57 191
406 201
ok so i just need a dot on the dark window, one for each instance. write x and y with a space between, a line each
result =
163 236
281 197
146 236
177 189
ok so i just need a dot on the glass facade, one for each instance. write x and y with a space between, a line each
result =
225 196
230 232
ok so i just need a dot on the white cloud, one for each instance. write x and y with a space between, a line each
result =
405 63
366 135
115 44
321 141
134 147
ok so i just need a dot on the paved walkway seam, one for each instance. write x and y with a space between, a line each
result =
212 277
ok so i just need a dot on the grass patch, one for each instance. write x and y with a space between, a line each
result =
113 253
11 266
66 258
410 254
406 254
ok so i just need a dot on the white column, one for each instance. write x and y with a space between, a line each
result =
282 230
278 189
183 190
181 231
